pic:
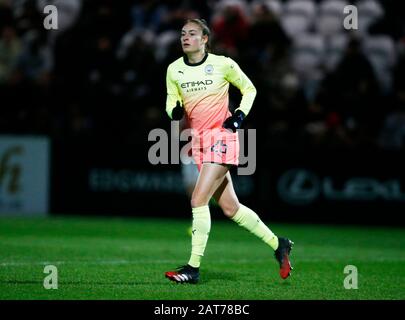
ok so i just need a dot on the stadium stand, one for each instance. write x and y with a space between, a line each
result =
64 84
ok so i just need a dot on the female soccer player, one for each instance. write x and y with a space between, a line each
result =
197 86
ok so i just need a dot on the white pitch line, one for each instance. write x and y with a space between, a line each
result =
105 262
226 261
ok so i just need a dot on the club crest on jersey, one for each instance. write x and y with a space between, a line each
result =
209 69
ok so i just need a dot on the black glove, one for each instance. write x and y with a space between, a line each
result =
178 111
234 122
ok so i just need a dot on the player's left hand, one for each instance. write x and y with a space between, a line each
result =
234 122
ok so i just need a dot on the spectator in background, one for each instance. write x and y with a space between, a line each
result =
148 15
10 50
351 98
6 15
266 55
266 36
137 64
27 17
36 60
392 135
102 67
230 28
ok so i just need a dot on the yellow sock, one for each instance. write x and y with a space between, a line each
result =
200 231
248 219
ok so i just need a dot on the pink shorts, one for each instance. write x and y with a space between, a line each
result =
216 146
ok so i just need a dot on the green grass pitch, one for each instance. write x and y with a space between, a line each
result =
125 258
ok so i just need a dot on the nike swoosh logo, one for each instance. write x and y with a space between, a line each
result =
181 72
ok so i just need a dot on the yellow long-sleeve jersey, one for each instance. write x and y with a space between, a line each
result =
202 89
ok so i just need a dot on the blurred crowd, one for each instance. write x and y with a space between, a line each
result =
101 75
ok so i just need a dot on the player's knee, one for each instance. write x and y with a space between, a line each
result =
198 200
230 208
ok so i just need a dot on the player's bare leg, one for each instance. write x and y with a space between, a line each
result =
226 197
210 178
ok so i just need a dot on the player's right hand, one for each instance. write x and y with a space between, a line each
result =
178 111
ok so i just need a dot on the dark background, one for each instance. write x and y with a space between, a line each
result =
330 103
